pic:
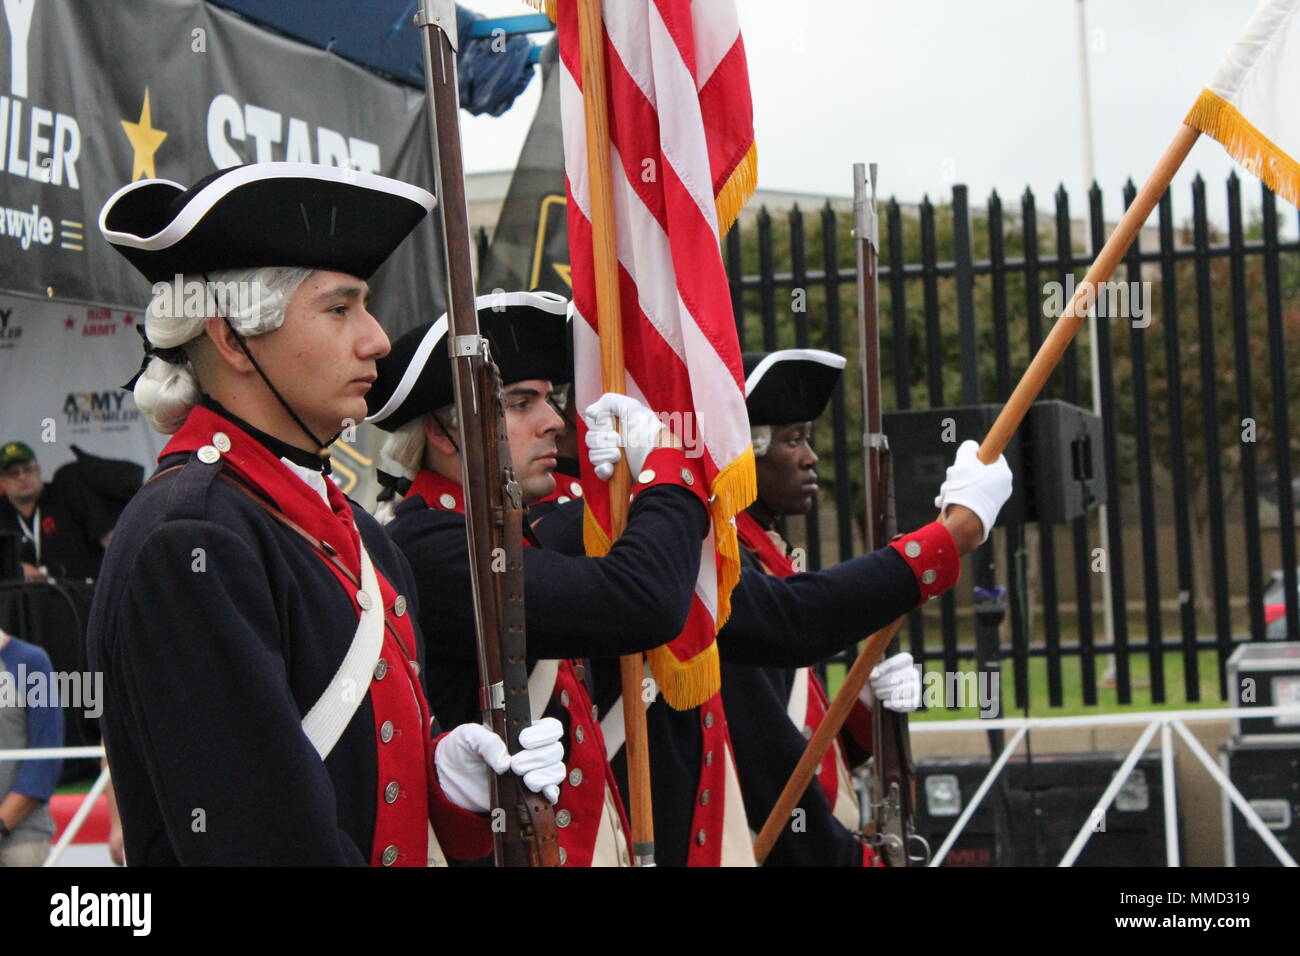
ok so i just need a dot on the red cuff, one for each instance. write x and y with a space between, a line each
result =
462 834
932 555
869 857
670 466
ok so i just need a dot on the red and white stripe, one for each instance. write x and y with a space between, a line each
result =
679 121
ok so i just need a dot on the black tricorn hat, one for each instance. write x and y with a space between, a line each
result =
263 214
529 336
792 385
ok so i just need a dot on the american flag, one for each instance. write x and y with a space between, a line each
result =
683 162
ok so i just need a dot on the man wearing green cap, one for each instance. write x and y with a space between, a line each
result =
64 526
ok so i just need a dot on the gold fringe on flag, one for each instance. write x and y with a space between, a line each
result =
690 683
686 684
734 490
735 192
1215 116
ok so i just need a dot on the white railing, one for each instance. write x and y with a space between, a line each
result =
83 811
1174 720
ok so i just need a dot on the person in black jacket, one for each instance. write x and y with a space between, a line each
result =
774 710
700 812
634 598
255 628
64 524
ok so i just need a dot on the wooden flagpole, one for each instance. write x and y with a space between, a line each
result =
1008 420
591 35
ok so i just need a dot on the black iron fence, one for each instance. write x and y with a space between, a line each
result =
1191 384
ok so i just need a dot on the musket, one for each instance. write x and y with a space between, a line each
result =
524 832
893 790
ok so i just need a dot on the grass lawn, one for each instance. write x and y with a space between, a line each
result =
1072 688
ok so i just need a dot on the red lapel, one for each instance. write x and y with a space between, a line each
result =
264 472
753 536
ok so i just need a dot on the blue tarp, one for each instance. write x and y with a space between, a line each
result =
380 35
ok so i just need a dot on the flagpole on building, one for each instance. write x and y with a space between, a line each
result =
1008 420
591 35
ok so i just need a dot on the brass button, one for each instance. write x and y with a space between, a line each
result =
391 791
807 733
399 605
390 855
381 668
563 500
708 759
563 818
222 442
701 837
912 549
364 601
708 719
687 477
209 455
704 798
564 857
575 776
929 576
575 489
386 731
564 698
646 476
447 501
595 712
579 734
579 671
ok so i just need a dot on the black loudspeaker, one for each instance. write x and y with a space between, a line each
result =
1268 775
1064 470
1055 458
1045 805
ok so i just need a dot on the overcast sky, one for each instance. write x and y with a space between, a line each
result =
983 92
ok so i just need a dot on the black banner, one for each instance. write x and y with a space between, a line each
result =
96 94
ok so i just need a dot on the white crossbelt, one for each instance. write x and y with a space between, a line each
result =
325 722
612 727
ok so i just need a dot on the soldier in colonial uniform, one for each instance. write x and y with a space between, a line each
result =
635 598
780 622
256 629
773 710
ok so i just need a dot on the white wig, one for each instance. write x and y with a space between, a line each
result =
254 300
402 454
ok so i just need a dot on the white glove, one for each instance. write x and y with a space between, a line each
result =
982 488
466 755
640 433
896 683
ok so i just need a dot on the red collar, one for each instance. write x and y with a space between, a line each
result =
264 472
566 489
438 492
772 557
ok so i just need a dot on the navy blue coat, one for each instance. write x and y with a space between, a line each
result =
775 622
208 672
635 598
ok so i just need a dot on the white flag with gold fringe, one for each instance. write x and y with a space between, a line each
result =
1250 104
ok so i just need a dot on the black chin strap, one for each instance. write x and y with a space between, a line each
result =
443 428
322 448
